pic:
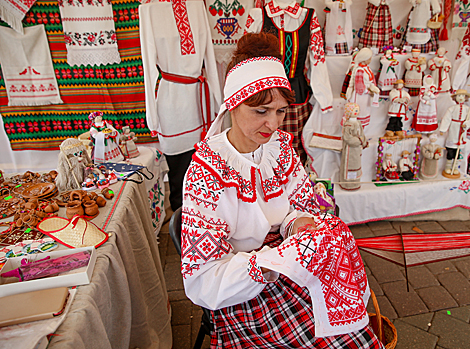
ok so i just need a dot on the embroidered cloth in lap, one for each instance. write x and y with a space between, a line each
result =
27 67
89 32
13 12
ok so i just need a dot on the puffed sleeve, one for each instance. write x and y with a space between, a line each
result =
317 69
460 72
254 21
214 276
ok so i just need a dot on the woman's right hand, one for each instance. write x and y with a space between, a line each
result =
301 222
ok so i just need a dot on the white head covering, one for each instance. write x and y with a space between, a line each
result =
246 79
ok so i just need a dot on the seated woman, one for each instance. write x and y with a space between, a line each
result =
245 193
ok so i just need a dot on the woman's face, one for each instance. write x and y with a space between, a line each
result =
253 126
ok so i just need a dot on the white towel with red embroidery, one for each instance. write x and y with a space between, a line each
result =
89 32
325 259
13 12
27 67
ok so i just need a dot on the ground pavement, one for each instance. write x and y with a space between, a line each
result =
434 314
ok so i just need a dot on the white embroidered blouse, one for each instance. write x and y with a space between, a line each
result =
230 203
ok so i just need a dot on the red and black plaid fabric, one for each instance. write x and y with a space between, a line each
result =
377 28
431 46
414 91
345 86
341 48
280 317
296 117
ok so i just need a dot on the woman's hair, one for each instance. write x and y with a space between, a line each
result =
260 45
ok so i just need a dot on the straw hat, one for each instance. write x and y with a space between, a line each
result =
399 81
460 92
73 233
405 152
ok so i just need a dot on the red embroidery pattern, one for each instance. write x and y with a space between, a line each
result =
275 11
330 253
256 86
182 23
316 41
227 176
465 45
255 272
249 21
203 240
202 187
254 59
303 197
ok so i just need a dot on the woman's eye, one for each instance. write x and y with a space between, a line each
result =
261 111
282 111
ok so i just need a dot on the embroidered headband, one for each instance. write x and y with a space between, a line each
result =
95 114
246 79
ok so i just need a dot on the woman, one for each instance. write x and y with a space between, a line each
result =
245 189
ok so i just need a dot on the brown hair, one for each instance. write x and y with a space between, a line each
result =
259 45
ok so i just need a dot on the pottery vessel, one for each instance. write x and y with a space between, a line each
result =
74 208
91 208
100 201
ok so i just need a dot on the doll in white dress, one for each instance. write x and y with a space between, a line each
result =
389 168
128 146
440 67
338 27
105 139
425 120
415 67
388 72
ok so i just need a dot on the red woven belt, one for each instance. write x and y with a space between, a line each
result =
203 90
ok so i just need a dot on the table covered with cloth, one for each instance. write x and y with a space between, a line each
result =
126 304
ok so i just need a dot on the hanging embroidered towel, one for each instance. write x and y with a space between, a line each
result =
27 67
89 32
460 18
13 12
325 259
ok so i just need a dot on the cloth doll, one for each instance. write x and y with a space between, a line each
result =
73 159
440 67
389 167
456 120
338 27
362 85
417 33
415 67
128 146
377 28
399 100
387 72
425 120
347 78
105 140
405 166
432 152
354 141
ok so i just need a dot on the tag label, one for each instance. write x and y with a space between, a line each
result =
19 185
27 230
8 197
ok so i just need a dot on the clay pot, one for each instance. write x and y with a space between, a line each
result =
107 193
91 208
85 198
30 220
74 208
41 214
19 222
100 201
31 204
51 208
76 195
93 195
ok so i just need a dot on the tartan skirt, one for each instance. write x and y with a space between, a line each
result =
280 317
377 28
296 117
431 46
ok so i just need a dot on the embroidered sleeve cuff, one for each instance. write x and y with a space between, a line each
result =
327 109
255 271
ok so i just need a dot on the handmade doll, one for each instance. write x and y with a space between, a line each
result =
432 152
456 120
377 28
405 166
362 85
389 167
354 141
425 120
347 78
399 100
127 143
417 33
73 159
440 67
301 46
338 27
461 67
387 72
415 67
105 140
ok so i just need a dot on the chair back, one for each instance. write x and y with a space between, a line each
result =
175 229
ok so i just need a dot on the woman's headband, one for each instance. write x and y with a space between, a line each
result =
246 79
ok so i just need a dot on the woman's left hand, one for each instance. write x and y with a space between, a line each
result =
301 222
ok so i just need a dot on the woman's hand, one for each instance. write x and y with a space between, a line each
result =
300 222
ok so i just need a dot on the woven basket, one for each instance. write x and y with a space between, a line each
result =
383 328
435 22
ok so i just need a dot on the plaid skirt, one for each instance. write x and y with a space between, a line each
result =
431 46
280 317
341 48
377 28
296 117
344 87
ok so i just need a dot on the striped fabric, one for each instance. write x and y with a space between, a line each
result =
377 28
116 89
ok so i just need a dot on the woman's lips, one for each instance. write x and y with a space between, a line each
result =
265 135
